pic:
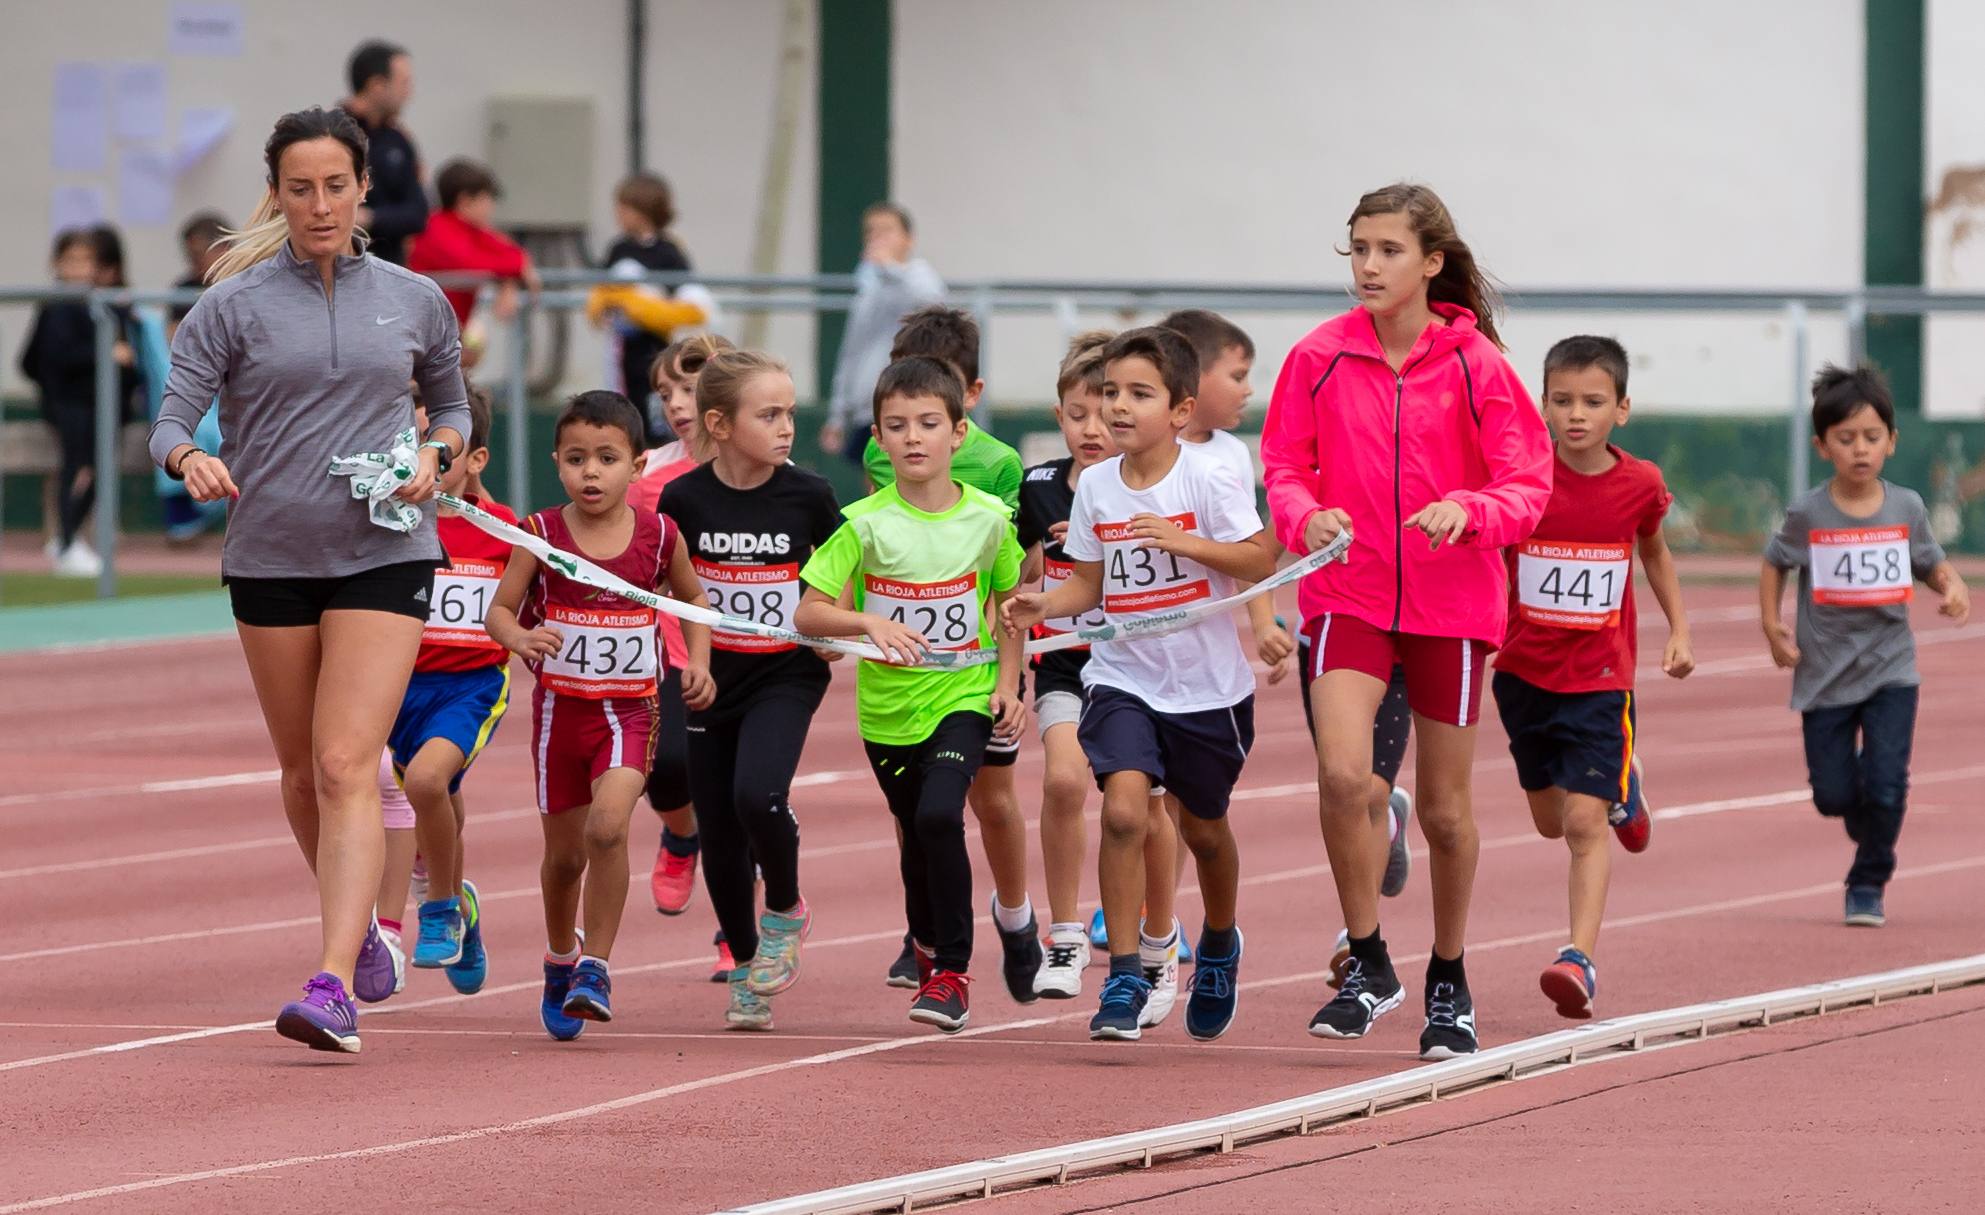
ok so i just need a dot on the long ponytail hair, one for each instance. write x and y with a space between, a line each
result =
720 388
1461 281
266 230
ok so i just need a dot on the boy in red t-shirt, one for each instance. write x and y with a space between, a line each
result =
461 238
1564 677
458 693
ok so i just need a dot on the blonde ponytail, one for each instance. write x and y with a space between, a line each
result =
255 241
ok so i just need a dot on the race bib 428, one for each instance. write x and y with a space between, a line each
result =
946 613
1861 566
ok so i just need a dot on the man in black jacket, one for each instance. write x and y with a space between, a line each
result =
382 81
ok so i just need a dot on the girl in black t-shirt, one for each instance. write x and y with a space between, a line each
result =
751 519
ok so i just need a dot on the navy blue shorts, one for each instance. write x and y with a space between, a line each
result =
460 706
1197 757
1581 742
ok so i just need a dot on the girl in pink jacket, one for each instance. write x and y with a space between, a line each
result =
1402 421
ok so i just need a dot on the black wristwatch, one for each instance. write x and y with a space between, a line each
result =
447 455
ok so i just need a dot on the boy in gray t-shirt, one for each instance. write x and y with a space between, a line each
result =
1860 545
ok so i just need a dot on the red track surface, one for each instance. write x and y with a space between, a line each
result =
142 909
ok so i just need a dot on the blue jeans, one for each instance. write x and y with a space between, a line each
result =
1857 757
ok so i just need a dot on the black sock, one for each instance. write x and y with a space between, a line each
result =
681 845
1126 964
1218 942
1446 970
1371 950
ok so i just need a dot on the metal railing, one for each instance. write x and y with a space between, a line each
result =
566 290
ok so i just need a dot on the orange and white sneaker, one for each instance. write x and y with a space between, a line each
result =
1571 982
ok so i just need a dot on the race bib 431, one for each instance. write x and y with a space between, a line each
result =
767 594
1572 584
1861 566
608 652
946 613
1140 579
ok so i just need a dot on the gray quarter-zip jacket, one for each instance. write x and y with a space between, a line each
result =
304 377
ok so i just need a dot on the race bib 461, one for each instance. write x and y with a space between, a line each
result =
460 603
1861 566
946 613
1572 584
608 652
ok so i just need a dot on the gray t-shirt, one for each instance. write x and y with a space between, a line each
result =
302 379
1855 639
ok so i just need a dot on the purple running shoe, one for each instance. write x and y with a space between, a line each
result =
324 1019
377 974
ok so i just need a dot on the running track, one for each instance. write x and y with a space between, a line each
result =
157 914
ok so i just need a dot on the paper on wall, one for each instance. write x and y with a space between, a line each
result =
207 29
144 186
138 95
201 130
79 134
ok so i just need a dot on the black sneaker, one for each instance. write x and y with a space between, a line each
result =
1366 995
1020 958
943 1001
903 971
1450 1031
1864 907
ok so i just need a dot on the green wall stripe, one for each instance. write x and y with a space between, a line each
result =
1892 246
853 164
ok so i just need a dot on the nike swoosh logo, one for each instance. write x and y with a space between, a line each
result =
384 320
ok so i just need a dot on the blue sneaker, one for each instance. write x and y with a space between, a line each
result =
551 1009
468 974
1209 1010
1099 936
1185 950
440 942
1123 1003
588 998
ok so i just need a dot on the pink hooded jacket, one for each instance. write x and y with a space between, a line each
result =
1344 431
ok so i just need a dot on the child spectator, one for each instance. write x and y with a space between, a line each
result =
461 238
644 318
890 282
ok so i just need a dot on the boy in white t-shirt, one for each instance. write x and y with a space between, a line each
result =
1158 528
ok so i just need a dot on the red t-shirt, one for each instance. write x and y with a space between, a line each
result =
1571 610
452 243
455 639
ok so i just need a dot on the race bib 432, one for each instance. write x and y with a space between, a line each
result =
1861 566
1572 584
608 652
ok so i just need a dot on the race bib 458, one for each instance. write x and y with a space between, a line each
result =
1861 566
1572 584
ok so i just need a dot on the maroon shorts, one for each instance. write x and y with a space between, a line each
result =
1443 674
575 741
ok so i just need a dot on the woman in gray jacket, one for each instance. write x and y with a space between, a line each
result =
310 344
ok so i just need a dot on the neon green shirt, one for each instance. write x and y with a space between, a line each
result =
981 461
934 573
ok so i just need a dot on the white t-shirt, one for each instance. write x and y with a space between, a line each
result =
1199 667
1231 451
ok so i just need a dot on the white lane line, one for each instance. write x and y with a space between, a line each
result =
144 788
752 1073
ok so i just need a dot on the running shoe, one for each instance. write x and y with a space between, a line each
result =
1399 858
468 975
1120 1016
1571 982
1450 1031
1864 907
777 963
1340 958
1185 951
376 974
1216 992
1633 820
440 942
591 993
417 885
673 882
1020 957
1099 933
1060 976
324 1019
904 971
721 971
1163 976
748 1009
943 1001
1365 995
551 1009
395 947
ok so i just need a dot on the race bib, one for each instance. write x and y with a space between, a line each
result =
1571 584
460 604
767 594
946 613
608 652
1861 566
1138 579
1053 574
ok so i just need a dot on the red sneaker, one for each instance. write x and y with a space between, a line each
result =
1570 982
1633 822
721 973
944 1001
673 881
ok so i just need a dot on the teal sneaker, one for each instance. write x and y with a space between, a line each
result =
468 974
777 964
440 941
748 1010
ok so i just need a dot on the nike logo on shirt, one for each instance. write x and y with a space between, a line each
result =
384 320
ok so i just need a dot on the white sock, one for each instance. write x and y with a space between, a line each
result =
1154 951
1012 919
564 959
586 957
1062 928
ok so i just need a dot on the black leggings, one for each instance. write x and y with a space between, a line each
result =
668 772
925 785
75 432
740 777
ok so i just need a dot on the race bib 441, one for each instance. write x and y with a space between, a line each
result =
1572 584
608 652
1140 579
1861 566
767 594
946 613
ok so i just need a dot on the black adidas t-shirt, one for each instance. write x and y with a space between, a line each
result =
1046 498
748 547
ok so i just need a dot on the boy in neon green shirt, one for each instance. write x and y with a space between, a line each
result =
921 567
